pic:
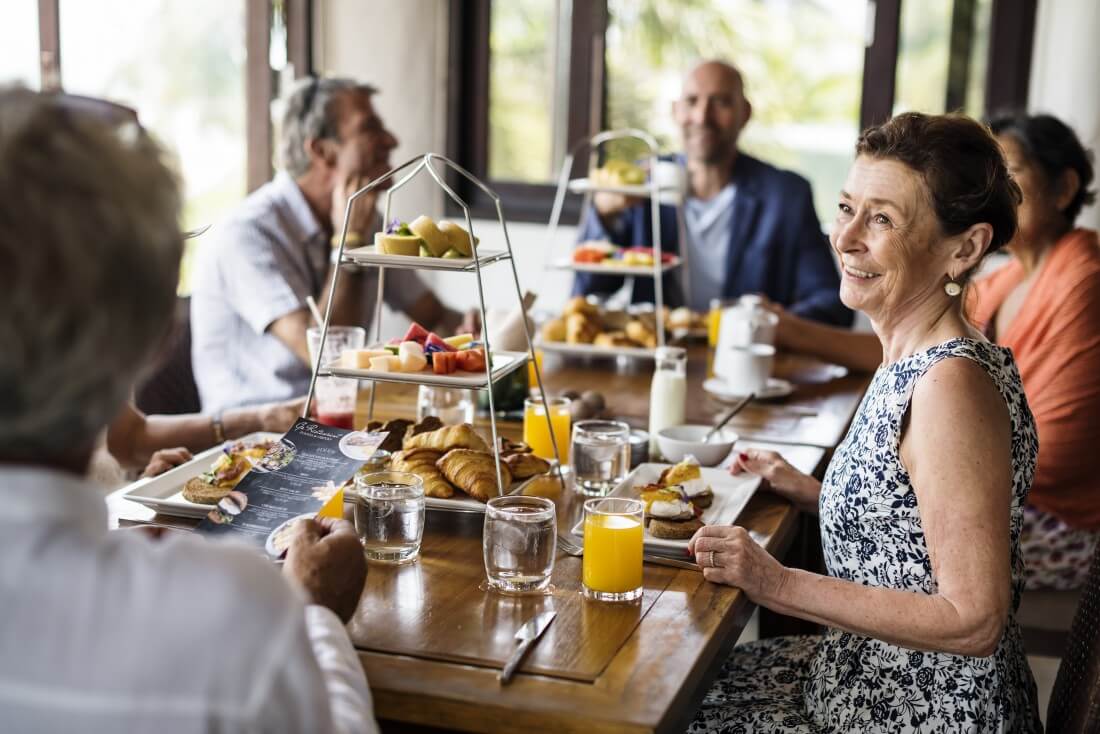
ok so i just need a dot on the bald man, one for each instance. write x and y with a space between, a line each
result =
751 227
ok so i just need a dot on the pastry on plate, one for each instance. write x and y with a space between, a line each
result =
581 305
639 332
474 472
462 436
581 329
554 330
421 462
613 339
524 466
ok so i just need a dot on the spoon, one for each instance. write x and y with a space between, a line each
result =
726 418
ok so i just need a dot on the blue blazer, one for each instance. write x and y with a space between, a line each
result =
776 246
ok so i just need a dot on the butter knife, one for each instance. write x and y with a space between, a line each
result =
526 636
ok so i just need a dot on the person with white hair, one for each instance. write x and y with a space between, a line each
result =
117 631
249 311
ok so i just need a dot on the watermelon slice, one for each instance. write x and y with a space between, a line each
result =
435 340
416 333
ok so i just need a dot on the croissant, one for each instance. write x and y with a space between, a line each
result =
448 437
421 462
580 329
523 466
474 472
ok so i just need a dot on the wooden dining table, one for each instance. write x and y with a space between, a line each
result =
432 638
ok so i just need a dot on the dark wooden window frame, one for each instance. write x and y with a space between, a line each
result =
260 81
1011 38
468 107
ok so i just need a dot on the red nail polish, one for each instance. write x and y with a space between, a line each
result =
743 456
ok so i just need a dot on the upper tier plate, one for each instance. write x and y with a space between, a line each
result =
368 256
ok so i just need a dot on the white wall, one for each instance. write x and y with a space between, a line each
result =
1065 72
400 46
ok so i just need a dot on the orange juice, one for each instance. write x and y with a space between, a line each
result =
536 433
612 553
714 324
532 381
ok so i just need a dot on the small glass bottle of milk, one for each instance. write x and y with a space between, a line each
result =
667 393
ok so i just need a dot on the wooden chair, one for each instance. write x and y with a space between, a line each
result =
1075 701
170 388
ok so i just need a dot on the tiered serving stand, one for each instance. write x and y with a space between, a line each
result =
652 190
507 362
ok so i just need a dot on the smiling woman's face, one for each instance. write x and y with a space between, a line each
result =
886 237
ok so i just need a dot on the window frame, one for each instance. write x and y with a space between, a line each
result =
261 82
1011 38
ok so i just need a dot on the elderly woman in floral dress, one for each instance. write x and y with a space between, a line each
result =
921 506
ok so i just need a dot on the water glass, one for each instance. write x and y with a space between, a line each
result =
334 397
451 405
601 455
520 540
613 540
389 515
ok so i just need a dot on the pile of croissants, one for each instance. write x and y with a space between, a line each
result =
452 459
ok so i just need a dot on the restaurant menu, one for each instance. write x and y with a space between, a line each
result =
299 477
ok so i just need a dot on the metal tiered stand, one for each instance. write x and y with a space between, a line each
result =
652 190
367 257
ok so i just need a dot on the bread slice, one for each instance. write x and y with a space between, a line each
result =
674 529
200 491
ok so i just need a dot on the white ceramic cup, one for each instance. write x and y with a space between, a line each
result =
746 323
670 175
745 369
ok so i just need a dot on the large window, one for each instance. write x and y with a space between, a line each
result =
19 44
202 74
192 98
816 72
802 64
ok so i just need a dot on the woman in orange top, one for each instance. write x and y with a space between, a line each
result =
1045 306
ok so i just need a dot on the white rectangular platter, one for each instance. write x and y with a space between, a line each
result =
164 493
731 494
614 269
368 256
503 364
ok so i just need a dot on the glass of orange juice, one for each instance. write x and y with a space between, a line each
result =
532 380
612 566
714 320
536 429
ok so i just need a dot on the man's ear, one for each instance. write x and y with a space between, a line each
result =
320 149
748 111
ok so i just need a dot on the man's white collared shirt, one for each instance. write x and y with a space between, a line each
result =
118 632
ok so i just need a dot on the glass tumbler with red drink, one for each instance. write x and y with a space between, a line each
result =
334 397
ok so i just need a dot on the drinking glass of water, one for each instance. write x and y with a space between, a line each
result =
389 515
450 405
520 540
600 454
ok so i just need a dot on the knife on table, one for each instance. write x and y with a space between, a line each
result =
526 637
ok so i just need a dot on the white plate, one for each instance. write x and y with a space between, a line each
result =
164 493
731 494
613 268
503 363
591 350
584 185
775 388
367 256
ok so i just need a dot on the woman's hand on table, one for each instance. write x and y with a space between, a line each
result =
326 558
728 555
163 460
782 478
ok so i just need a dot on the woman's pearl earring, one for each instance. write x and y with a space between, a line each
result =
952 288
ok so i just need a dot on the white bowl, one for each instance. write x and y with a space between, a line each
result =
678 441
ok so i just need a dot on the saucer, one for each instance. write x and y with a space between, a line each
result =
775 388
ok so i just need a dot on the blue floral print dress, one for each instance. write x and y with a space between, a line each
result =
871 534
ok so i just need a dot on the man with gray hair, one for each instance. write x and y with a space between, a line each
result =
118 631
250 286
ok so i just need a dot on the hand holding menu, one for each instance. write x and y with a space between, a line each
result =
300 477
